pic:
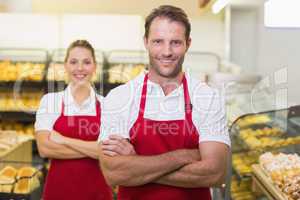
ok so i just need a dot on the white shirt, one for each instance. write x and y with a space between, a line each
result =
51 105
121 107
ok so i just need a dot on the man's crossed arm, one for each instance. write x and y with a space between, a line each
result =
203 167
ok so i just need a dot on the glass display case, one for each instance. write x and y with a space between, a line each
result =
255 134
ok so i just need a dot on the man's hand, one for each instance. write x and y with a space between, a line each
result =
116 145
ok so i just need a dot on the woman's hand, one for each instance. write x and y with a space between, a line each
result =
57 137
116 145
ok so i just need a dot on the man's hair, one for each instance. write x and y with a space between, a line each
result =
83 44
172 13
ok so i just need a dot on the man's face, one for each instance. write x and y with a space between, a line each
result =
166 45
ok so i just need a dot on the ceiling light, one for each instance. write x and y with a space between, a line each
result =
282 14
219 5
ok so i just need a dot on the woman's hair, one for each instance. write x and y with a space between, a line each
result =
83 44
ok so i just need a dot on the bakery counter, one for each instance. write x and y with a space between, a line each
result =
263 185
277 176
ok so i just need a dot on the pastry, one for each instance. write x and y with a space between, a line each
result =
27 180
7 179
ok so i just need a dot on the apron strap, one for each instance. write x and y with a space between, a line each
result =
143 98
98 108
187 100
62 108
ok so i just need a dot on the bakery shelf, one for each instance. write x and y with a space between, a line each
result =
35 181
239 176
125 65
18 85
21 65
17 116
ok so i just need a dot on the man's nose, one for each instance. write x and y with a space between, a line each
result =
167 50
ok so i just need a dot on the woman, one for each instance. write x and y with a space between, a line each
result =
67 127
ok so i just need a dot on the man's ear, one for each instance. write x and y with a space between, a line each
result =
188 43
146 42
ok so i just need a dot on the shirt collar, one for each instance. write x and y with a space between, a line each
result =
154 86
69 99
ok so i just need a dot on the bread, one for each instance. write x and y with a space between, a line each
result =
7 179
27 180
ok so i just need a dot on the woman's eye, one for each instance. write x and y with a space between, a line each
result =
73 62
87 62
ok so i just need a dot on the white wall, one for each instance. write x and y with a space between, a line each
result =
278 49
106 32
244 38
123 7
208 34
17 5
273 53
28 31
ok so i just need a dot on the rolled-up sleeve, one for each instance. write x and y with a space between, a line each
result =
46 114
209 116
116 111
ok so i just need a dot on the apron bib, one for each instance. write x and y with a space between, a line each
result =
151 137
77 179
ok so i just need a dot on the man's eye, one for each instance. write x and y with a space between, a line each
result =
177 42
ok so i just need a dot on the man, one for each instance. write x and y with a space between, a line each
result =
175 124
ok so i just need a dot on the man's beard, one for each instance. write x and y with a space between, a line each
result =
172 74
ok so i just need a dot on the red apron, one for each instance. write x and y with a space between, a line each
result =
77 179
150 137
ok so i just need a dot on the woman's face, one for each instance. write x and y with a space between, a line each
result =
80 65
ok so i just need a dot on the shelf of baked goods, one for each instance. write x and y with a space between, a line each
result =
25 101
22 129
241 189
266 130
21 180
241 163
278 176
125 65
22 67
19 106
